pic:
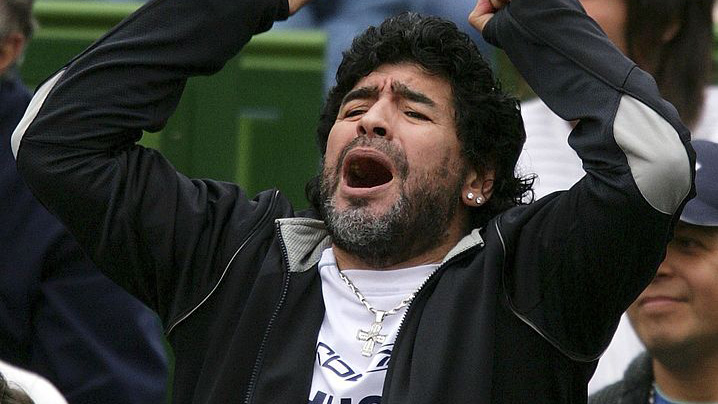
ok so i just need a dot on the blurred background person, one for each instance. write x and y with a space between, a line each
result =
676 316
59 317
672 40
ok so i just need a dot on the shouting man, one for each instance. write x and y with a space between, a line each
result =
417 276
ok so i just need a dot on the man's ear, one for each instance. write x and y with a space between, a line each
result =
10 50
478 187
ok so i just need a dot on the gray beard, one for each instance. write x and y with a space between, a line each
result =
417 222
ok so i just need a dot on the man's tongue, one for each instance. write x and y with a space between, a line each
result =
366 172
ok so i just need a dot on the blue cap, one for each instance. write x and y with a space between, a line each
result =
703 209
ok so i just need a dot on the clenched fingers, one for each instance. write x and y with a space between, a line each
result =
484 11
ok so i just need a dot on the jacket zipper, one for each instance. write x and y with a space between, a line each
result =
429 278
419 291
572 355
226 268
260 354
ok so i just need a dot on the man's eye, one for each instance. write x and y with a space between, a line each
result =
354 112
686 244
416 115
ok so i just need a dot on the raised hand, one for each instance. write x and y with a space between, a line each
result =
295 5
484 10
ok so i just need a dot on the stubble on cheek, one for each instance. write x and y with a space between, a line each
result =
415 223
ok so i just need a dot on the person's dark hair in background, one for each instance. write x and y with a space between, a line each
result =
17 25
673 40
10 395
16 15
488 121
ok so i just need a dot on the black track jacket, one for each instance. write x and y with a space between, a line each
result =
518 312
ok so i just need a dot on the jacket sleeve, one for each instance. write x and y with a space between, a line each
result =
155 232
582 256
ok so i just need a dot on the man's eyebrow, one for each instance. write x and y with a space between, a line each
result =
399 89
405 92
362 93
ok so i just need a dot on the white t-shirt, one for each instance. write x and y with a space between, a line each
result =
342 375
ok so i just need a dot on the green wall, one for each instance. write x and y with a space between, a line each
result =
252 123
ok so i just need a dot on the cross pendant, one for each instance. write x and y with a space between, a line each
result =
372 337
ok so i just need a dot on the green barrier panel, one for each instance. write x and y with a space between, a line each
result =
252 123
66 28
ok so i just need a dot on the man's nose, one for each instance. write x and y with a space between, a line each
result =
375 121
667 268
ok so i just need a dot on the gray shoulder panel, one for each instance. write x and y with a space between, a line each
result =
657 158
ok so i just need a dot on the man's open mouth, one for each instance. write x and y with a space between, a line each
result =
366 171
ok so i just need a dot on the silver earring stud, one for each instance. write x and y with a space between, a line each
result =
479 200
470 195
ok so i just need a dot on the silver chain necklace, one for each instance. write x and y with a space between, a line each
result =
373 336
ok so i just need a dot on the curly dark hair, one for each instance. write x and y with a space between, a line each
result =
12 395
488 121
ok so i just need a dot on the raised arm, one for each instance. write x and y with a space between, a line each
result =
580 257
152 230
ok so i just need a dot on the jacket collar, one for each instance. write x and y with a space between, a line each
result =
305 239
638 379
